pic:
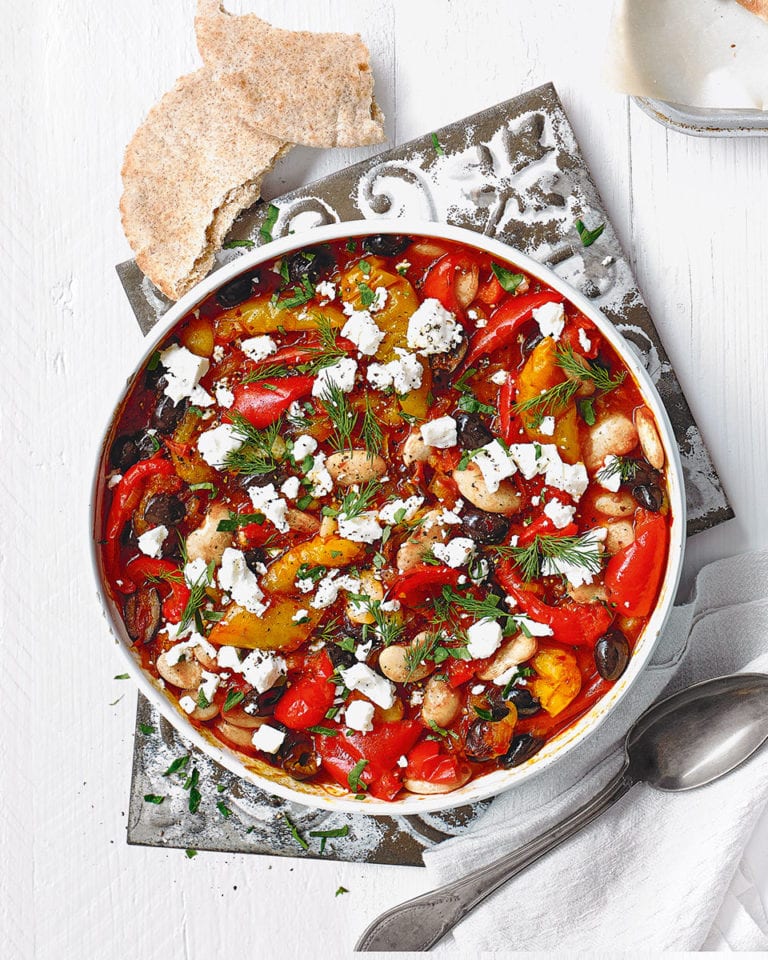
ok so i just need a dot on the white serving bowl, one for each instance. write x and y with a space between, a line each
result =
497 781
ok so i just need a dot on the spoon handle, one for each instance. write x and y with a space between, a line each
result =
420 923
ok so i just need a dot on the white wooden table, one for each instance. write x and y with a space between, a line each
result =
78 76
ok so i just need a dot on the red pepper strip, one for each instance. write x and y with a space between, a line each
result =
308 699
634 573
543 526
460 671
125 499
174 590
508 425
505 323
443 277
262 403
301 353
491 292
419 585
571 339
572 623
428 762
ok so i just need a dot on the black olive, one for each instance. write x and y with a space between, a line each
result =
129 449
612 654
341 658
479 742
484 527
444 365
167 414
253 558
386 244
237 291
471 430
142 614
312 264
525 702
531 343
648 495
297 755
257 704
521 748
164 509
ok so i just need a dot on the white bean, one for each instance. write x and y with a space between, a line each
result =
441 703
472 487
588 592
620 534
424 786
186 674
393 662
514 652
200 713
237 735
650 442
615 435
207 542
417 546
350 467
620 504
414 449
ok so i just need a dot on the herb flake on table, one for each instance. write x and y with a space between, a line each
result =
341 890
265 230
122 676
191 853
146 728
587 236
234 244
437 146
295 833
153 798
177 766
223 809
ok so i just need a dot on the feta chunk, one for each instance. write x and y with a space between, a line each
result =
440 433
584 342
300 616
535 628
229 659
570 478
330 586
196 571
560 514
267 739
499 378
456 552
361 529
495 464
607 476
262 669
239 581
215 444
390 512
209 685
380 297
318 476
179 651
551 319
326 291
485 638
224 396
265 500
377 688
184 371
340 375
433 329
547 426
363 331
258 348
303 446
533 458
187 704
151 542
359 716
403 374
290 488
577 574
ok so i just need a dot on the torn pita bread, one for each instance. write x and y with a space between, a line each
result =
758 7
310 88
193 165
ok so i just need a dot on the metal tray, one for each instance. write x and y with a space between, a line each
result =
701 122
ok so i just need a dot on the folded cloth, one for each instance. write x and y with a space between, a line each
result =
658 871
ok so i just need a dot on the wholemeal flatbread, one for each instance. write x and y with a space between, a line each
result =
759 7
310 88
195 163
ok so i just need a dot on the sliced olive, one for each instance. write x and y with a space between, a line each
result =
526 704
487 739
237 291
339 657
472 432
386 244
312 264
522 748
164 509
648 495
612 654
484 527
142 614
255 557
167 414
262 704
130 448
444 364
297 755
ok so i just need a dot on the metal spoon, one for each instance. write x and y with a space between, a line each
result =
685 741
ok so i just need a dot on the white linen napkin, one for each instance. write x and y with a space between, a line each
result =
658 871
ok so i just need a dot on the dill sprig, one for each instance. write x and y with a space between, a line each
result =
371 433
197 597
583 551
574 366
550 402
270 371
625 467
328 352
357 500
417 653
343 418
388 629
258 454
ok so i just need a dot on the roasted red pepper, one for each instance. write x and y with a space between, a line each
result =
427 761
419 585
572 623
308 699
460 671
508 422
125 499
263 402
168 579
572 339
633 575
543 526
300 353
505 323
453 280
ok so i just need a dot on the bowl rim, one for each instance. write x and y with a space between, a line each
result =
497 781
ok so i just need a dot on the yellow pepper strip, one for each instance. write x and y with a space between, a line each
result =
541 372
557 681
329 552
275 630
262 316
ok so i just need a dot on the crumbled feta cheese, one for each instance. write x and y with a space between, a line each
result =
576 573
379 376
363 649
218 353
258 348
484 637
361 529
304 584
495 464
477 689
237 579
547 426
178 651
403 374
381 295
403 266
300 616
417 697
187 704
262 669
330 586
391 512
303 446
551 319
440 433
359 716
340 374
499 378
326 290
362 330
533 458
229 659
402 762
265 500
209 685
584 342
560 514
215 444
196 571
151 542
114 480
535 628
224 396
571 478
267 739
290 488
184 371
456 553
433 329
535 501
318 476
607 476
377 688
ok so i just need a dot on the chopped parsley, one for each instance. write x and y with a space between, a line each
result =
588 237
